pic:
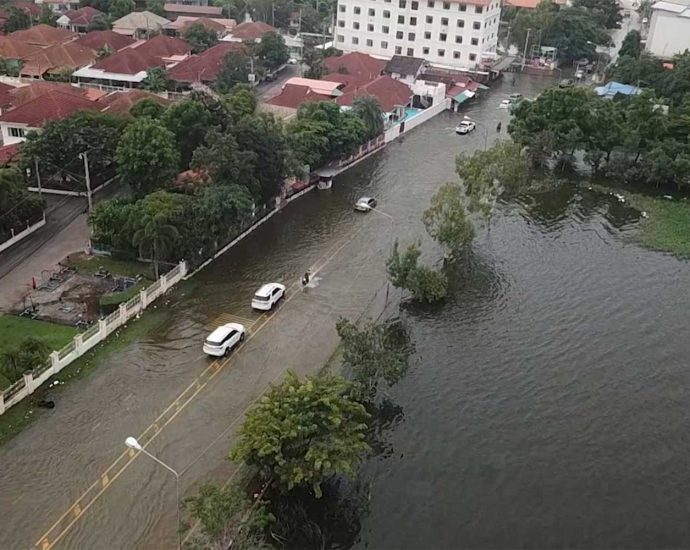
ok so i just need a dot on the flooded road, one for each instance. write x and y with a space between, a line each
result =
550 383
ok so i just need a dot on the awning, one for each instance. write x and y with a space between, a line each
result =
464 96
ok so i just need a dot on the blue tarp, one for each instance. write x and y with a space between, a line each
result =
613 88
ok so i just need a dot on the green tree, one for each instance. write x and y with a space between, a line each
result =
109 223
147 107
425 284
99 23
446 220
189 121
368 109
120 8
17 204
304 431
156 6
574 31
313 59
200 37
272 51
156 80
147 158
225 162
241 101
608 11
28 354
46 16
17 19
631 46
372 354
156 238
399 266
234 70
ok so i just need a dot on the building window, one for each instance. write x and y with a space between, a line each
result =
384 29
478 9
16 132
372 12
398 50
410 36
430 4
429 19
402 4
370 43
427 35
413 21
355 40
386 14
458 39
443 37
446 5
401 19
410 52
441 53
444 21
473 56
370 27
476 25
357 10
355 26
462 7
475 41
399 35
384 45
425 51
461 23
341 24
341 8
415 5
456 55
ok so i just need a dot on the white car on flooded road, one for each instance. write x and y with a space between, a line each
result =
364 204
222 340
465 127
268 296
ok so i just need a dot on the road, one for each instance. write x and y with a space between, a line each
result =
628 24
187 407
267 90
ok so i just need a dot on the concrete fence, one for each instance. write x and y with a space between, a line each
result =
95 334
16 237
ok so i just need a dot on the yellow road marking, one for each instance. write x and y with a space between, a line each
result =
146 437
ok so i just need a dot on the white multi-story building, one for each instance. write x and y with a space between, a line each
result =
669 28
450 34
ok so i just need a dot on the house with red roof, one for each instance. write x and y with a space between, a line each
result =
251 31
79 20
124 69
98 40
11 48
296 91
353 69
56 59
53 105
389 92
202 68
175 10
168 48
43 36
183 22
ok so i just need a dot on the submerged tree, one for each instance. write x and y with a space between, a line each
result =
446 220
425 284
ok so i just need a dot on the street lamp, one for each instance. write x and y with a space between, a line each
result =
132 443
486 132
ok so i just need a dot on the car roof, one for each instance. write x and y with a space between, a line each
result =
223 330
466 122
364 199
266 289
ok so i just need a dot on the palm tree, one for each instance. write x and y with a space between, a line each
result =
157 238
368 109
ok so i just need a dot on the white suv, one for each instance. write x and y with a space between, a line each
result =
268 296
222 340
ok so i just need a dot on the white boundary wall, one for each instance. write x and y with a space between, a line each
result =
22 234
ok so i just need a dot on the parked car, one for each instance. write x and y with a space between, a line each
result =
566 83
222 340
505 104
364 204
268 296
579 74
465 127
515 98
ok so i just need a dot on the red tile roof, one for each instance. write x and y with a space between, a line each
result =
11 48
387 90
129 61
122 102
204 22
60 56
54 105
24 94
193 10
293 95
83 16
43 35
9 154
251 30
356 65
205 66
6 98
98 39
164 46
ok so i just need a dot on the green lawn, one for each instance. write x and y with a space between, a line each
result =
13 329
667 225
126 268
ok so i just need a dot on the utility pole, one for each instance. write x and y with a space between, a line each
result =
524 54
38 178
87 175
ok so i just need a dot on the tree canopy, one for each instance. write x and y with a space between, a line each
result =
235 70
608 11
156 80
17 204
200 37
272 51
631 46
304 431
368 109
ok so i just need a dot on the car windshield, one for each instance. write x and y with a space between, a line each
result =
260 298
211 342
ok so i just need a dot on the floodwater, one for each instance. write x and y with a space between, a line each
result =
545 406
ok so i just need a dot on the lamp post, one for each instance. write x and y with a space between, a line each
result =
132 443
483 128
